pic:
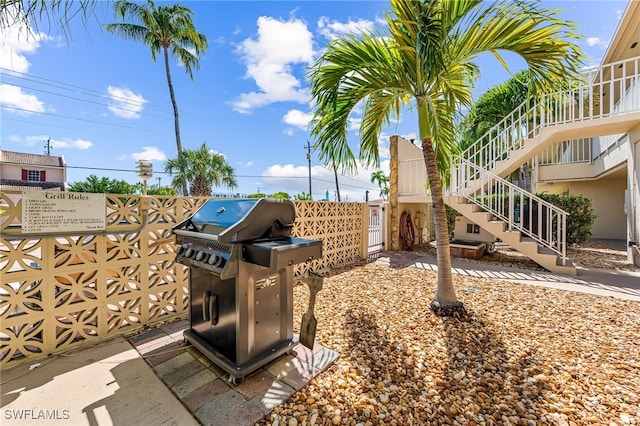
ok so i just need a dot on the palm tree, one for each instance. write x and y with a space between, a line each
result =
383 182
426 61
202 168
31 14
163 28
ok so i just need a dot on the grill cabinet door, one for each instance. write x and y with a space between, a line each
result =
199 288
212 311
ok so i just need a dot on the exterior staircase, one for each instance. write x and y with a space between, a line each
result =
605 101
543 256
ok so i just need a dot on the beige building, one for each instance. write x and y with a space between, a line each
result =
583 141
20 171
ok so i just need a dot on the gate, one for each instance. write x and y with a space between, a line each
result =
376 229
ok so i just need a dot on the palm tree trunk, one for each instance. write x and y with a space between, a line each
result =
335 172
175 114
393 192
445 303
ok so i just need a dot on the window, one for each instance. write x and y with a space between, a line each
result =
33 175
473 228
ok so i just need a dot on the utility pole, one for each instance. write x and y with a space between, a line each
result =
309 161
48 146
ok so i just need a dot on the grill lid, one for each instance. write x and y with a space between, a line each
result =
237 220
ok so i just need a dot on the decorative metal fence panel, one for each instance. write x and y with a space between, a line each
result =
376 229
60 292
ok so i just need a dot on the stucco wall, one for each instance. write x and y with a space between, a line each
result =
607 197
14 172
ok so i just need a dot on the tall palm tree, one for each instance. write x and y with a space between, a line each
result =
202 168
425 60
383 182
163 28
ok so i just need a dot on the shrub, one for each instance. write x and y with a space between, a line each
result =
581 216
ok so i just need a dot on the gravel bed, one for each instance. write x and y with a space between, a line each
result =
525 356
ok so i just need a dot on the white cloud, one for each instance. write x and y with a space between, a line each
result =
596 41
13 97
149 153
71 144
292 179
270 59
124 103
245 165
354 123
295 179
332 29
16 42
297 118
64 143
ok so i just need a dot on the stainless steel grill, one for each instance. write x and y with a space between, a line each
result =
240 255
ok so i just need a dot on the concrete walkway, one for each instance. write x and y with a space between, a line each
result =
153 379
109 384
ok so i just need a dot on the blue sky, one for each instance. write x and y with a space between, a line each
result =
104 104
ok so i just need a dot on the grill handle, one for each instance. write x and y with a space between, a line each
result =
205 305
210 307
202 235
213 309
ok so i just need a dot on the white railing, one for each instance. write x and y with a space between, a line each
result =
604 91
566 152
520 209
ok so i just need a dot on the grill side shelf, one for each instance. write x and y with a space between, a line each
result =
278 254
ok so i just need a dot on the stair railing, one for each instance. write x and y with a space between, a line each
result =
603 91
519 209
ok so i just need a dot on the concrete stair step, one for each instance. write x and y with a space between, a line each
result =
544 256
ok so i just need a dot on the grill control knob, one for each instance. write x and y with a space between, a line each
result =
188 252
182 248
200 255
221 262
212 259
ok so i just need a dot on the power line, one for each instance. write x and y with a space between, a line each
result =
125 101
78 119
87 92
73 88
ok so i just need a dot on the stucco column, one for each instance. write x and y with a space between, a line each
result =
393 192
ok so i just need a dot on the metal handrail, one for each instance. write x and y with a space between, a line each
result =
590 98
520 209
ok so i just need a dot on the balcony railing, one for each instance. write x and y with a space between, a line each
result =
566 152
604 91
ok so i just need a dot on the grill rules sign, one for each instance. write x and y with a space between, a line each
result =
44 211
